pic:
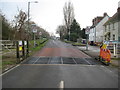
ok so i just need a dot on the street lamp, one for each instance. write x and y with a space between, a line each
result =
28 24
29 13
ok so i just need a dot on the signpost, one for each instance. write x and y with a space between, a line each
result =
34 31
87 32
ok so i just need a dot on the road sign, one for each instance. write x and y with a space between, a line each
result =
40 33
34 30
87 30
20 43
25 42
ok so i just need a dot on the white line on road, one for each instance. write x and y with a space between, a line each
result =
10 70
36 60
61 60
74 60
105 68
61 84
87 61
48 61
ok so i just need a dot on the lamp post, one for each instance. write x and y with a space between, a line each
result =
29 15
29 25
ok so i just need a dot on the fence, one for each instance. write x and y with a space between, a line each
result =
13 52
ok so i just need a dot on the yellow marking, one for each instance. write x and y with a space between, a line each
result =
20 48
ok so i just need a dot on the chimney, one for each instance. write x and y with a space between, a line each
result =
105 14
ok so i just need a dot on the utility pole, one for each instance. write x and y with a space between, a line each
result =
29 25
28 18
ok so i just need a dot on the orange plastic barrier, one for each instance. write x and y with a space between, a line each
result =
105 54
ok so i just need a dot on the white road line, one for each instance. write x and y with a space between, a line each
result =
48 61
106 68
109 70
61 84
36 60
74 60
61 60
10 70
87 61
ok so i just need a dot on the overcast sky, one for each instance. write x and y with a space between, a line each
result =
49 13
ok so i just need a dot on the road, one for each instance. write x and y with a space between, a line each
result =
60 65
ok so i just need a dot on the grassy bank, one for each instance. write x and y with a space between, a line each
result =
78 44
75 43
40 44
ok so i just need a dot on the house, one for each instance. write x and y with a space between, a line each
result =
96 30
112 30
112 27
92 35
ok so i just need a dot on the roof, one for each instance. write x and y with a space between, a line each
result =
113 19
98 22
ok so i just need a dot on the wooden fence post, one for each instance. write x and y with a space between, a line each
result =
27 48
17 51
23 50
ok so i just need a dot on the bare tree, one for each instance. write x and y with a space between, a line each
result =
68 12
61 30
19 22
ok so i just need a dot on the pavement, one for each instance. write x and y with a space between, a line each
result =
60 65
93 51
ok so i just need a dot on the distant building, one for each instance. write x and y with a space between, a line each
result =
112 27
96 30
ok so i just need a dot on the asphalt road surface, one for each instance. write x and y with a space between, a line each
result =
60 65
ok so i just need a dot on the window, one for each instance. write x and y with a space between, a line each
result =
105 37
109 36
109 26
113 26
105 28
113 37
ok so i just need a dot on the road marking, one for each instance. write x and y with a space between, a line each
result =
82 65
9 70
36 60
106 68
74 60
48 61
87 61
109 70
61 60
61 84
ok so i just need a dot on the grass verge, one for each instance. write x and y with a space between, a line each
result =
9 60
78 44
40 44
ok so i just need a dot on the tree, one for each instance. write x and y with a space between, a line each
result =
19 27
6 28
44 33
61 31
83 35
75 31
68 12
